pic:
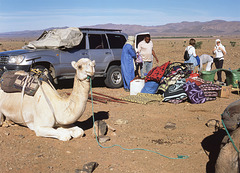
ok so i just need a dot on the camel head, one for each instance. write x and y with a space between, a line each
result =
84 68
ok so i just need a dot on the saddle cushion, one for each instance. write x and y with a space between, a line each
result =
13 82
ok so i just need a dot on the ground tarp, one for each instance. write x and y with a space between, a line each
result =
143 98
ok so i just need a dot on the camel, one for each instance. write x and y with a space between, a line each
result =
47 113
229 159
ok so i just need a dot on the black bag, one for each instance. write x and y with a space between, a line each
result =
186 55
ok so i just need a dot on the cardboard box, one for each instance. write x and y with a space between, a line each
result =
226 91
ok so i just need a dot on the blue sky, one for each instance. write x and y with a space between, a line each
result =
19 15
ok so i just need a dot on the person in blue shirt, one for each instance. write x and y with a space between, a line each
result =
127 62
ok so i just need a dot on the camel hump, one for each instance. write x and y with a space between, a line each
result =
13 81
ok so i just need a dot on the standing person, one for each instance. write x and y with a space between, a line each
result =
138 64
219 50
205 59
145 49
127 60
192 53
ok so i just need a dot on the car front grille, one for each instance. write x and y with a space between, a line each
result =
3 59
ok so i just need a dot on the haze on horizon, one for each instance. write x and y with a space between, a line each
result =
23 15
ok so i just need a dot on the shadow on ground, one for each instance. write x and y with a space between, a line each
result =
211 145
68 83
88 124
236 92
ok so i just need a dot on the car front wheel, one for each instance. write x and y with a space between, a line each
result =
114 77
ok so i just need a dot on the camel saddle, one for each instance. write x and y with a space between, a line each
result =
14 81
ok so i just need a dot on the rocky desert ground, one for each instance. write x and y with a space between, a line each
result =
137 126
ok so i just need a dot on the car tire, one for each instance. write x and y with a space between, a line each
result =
114 77
42 68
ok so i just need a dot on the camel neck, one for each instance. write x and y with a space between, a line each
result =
80 88
75 103
79 95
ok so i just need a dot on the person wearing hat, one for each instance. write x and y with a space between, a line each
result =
145 50
219 51
127 63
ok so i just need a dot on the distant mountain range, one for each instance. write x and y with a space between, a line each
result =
210 28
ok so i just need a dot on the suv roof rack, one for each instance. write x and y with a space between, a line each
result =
100 29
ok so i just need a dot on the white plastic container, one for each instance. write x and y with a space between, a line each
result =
136 86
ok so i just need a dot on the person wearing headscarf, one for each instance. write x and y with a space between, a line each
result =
127 63
219 51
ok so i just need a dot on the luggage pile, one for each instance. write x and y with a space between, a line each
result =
176 83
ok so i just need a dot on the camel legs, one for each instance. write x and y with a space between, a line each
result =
75 131
1 119
63 134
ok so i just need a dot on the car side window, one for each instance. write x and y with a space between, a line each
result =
116 41
82 45
97 41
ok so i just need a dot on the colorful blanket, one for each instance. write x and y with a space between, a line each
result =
175 91
157 73
195 94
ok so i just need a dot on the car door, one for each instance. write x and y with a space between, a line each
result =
138 38
100 52
116 42
72 54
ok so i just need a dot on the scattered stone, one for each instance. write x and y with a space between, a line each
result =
103 139
199 118
170 126
120 122
132 137
87 168
7 133
68 152
114 134
21 136
40 155
50 167
160 141
100 128
213 123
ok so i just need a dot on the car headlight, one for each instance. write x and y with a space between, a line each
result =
15 59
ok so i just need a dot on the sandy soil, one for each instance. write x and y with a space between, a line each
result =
142 127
